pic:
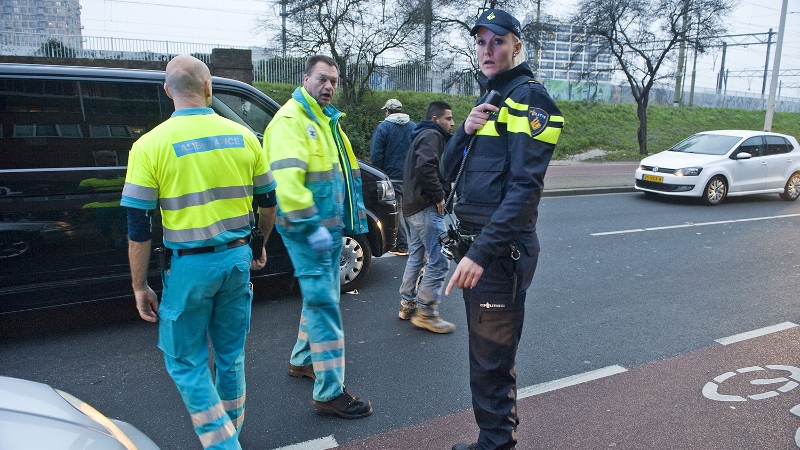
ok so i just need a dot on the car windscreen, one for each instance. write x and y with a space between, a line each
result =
707 144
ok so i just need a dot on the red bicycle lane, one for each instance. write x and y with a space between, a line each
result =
743 395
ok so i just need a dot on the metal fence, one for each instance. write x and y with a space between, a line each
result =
45 45
388 75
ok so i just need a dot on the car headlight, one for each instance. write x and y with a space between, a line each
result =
98 417
385 191
688 172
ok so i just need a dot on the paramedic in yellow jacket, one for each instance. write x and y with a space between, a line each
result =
319 198
203 172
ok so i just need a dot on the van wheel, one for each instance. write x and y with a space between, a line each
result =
14 245
792 189
355 263
715 191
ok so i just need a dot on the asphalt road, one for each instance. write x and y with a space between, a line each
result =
623 281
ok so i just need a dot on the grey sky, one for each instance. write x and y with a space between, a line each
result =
234 22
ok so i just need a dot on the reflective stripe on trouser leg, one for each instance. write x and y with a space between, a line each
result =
320 338
207 295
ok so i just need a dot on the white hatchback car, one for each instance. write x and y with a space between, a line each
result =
715 164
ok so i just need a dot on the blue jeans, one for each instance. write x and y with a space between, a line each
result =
426 268
402 225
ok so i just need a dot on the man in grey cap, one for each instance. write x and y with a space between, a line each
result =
387 152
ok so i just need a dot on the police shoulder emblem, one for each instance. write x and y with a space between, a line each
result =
538 119
312 133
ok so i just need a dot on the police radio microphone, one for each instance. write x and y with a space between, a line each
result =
493 98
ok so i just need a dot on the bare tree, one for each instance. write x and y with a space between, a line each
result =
641 36
458 19
356 33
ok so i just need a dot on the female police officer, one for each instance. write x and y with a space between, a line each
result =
498 196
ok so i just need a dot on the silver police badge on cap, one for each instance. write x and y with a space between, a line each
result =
538 119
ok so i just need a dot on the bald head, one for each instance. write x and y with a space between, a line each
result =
188 81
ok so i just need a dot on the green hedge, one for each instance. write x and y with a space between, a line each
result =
587 125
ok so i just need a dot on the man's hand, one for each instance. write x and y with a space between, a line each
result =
478 117
440 207
258 264
147 304
467 274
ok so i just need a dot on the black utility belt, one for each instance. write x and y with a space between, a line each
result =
469 236
211 248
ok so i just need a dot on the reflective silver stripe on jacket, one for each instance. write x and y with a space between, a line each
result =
333 222
205 197
300 214
264 179
200 234
321 176
140 192
289 163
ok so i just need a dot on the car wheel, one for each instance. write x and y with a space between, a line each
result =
792 189
715 191
14 245
355 263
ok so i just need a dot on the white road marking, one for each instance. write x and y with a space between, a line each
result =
701 224
755 333
315 444
329 442
573 380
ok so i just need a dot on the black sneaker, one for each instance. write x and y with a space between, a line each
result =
302 371
345 405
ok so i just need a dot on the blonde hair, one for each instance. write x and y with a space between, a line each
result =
522 56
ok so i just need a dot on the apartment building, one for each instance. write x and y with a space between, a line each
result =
30 22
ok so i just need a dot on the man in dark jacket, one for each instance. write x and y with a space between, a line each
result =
423 207
387 152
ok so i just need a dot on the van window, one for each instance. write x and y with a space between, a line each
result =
62 124
243 110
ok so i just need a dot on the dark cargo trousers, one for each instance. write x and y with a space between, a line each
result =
495 314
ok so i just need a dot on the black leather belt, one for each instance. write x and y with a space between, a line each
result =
210 249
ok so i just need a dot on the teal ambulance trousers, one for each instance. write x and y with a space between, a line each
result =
320 340
207 296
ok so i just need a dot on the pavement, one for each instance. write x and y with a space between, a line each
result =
573 177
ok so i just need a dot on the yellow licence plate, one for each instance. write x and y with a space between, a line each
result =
655 178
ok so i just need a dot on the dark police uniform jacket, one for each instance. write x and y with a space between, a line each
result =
499 191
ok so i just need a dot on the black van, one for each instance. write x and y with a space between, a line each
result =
65 134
